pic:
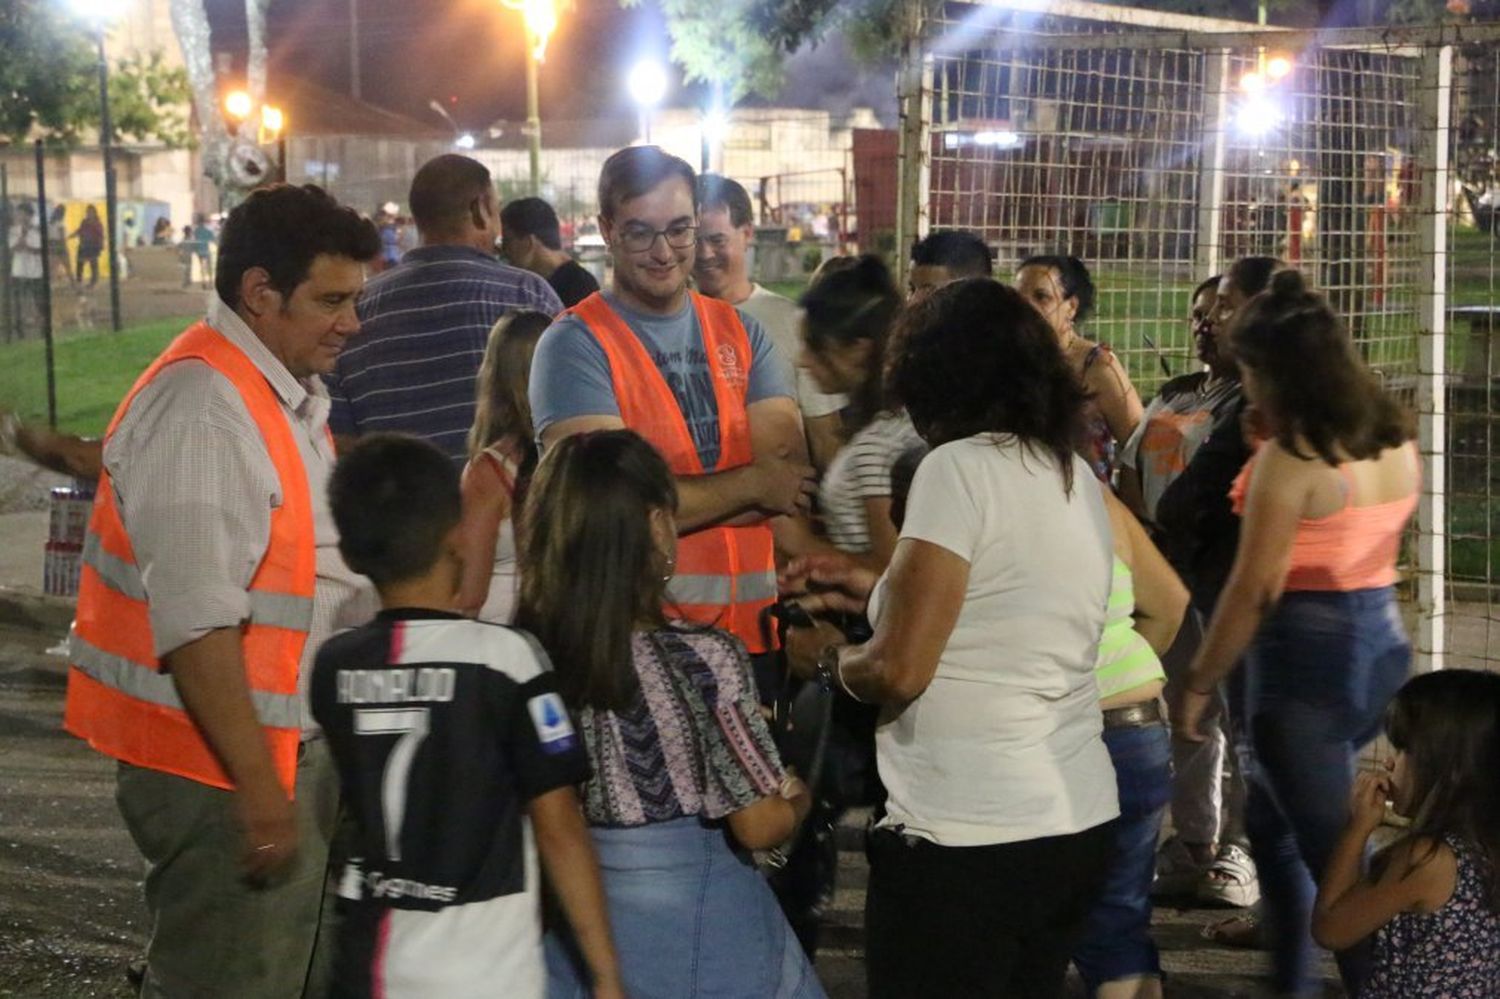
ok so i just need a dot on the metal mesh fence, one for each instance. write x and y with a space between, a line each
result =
1159 164
1160 156
1473 301
33 262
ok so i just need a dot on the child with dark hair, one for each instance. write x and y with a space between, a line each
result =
686 778
1432 899
456 756
1062 290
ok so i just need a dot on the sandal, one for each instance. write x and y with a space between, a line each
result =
1244 932
1230 879
1177 872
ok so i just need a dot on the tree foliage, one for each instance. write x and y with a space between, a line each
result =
716 41
49 82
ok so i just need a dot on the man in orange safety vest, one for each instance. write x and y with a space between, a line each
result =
211 573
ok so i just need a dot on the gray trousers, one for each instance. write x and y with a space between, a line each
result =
1208 804
212 933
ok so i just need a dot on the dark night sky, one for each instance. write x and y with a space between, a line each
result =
471 50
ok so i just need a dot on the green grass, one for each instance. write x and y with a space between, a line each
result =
94 371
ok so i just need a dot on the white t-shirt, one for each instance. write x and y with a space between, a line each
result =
1005 743
862 471
782 320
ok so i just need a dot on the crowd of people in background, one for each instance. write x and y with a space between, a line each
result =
592 611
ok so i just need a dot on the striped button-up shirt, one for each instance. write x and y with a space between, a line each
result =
423 329
195 488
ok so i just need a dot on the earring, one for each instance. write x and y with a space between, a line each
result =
671 570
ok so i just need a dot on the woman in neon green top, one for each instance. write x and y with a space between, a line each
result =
1116 955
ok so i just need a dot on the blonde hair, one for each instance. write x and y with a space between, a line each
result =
501 407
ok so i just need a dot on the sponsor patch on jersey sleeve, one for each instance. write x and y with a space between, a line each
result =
554 730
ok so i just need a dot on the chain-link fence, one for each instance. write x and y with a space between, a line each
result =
1160 148
34 264
1473 314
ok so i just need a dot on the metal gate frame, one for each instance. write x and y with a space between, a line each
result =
1434 48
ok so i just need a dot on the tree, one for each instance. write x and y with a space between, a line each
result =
190 24
719 43
48 82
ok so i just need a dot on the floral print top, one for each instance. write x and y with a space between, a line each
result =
1453 953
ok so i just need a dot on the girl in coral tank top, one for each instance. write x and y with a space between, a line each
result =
1310 601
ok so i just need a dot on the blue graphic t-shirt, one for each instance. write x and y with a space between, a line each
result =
570 373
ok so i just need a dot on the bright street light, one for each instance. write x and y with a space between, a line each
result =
238 104
98 10
465 141
647 84
1278 67
1257 116
271 119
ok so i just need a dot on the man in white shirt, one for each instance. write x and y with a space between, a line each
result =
722 270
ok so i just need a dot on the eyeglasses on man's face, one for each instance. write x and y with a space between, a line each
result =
640 238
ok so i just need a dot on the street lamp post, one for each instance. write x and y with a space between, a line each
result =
540 19
461 139
97 12
648 85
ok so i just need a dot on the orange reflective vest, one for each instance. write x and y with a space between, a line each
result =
119 698
726 576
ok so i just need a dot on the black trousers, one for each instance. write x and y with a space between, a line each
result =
981 921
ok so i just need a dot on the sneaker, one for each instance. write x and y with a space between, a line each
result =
1230 879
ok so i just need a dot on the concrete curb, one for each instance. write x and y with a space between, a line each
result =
23 607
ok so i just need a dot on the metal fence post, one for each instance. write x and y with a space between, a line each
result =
914 93
1436 92
1209 249
46 285
9 321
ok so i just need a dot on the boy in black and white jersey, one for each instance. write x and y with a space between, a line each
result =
457 759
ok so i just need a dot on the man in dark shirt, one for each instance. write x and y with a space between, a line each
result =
531 239
425 322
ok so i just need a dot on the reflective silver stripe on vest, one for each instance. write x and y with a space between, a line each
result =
118 574
719 591
281 610
274 610
143 683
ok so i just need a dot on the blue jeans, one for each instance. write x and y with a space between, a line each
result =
690 916
1320 674
1117 936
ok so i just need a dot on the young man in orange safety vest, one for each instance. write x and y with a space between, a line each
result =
211 574
696 377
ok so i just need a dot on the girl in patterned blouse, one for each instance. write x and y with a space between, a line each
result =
1432 900
686 779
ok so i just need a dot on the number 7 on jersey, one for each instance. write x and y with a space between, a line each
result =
411 724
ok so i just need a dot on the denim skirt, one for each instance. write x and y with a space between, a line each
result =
691 916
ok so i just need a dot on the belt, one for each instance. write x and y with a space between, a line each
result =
1136 715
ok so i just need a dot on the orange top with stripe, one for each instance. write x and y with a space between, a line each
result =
120 699
726 576
1353 548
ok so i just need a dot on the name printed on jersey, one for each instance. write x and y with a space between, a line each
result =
386 686
554 730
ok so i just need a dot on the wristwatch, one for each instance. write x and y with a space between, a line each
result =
826 670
